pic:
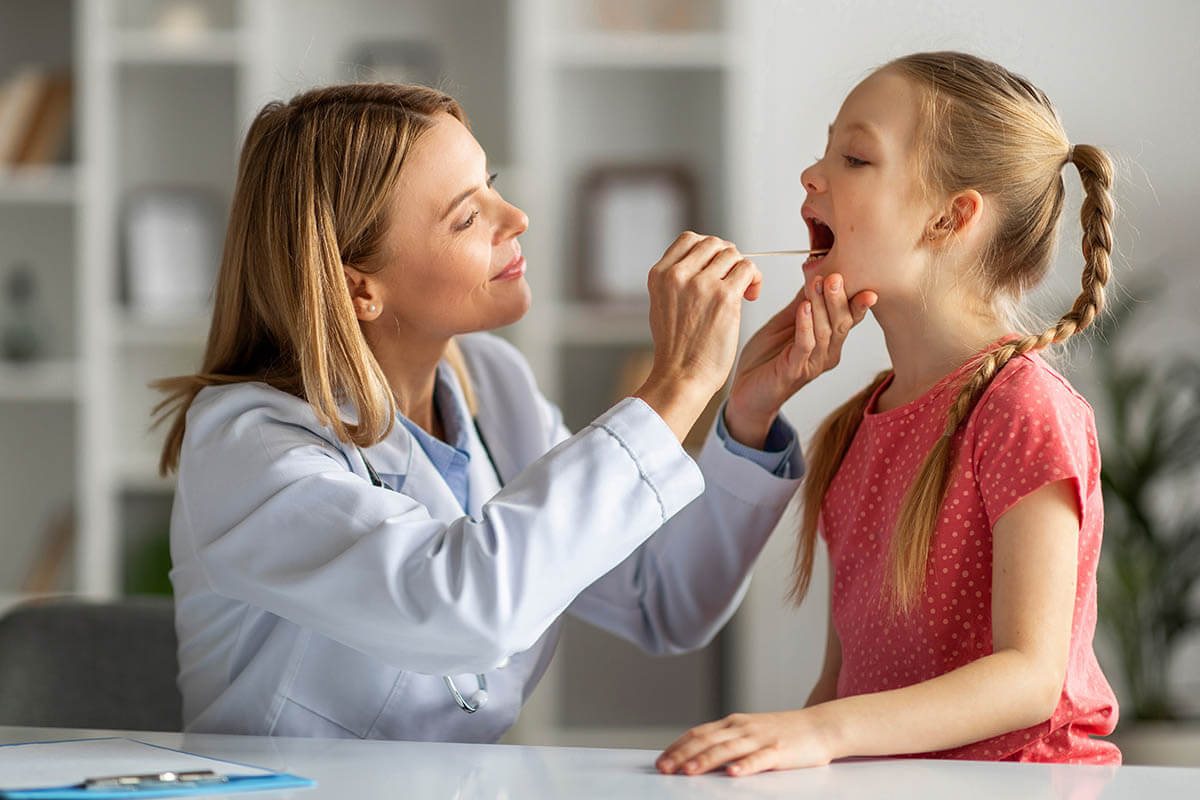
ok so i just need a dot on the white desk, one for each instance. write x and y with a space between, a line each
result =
371 769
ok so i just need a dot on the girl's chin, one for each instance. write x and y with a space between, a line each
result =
813 267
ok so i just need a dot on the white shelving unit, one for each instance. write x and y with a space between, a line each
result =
161 106
151 106
39 400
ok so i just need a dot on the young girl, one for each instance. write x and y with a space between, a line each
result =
959 493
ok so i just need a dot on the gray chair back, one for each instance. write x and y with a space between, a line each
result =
76 664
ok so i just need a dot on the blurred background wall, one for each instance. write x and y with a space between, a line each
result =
119 127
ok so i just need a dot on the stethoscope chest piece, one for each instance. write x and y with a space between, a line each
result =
478 699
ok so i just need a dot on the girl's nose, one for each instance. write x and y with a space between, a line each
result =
812 179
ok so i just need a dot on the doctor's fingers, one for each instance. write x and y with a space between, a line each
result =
821 327
744 279
804 340
683 243
680 264
843 314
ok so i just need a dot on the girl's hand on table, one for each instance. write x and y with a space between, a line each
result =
748 743
795 346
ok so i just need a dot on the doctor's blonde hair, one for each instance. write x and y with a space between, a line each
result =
983 128
313 182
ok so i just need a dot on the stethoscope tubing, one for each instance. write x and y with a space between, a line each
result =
479 699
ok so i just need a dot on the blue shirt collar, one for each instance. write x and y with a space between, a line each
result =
451 461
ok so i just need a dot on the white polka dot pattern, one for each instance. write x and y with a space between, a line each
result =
1029 428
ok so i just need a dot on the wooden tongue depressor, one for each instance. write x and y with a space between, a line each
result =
782 253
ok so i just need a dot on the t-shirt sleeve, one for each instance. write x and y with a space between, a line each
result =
1032 429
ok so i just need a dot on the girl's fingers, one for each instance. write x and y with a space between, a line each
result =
762 759
691 743
718 755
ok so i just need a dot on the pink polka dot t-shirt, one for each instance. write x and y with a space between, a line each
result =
1029 429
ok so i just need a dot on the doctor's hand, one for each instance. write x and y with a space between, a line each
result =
748 743
696 293
795 346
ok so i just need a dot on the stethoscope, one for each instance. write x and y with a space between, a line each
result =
479 697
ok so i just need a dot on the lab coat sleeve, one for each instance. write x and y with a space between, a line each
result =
680 588
272 516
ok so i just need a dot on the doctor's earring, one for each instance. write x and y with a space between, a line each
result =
371 308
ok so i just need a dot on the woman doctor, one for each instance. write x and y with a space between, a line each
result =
379 521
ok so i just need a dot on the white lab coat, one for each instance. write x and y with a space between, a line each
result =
312 603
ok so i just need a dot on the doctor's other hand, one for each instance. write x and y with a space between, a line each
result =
795 346
748 743
696 292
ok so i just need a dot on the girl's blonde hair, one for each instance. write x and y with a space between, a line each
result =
313 184
983 128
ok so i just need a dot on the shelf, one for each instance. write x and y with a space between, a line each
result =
643 50
51 380
215 48
597 324
185 330
38 185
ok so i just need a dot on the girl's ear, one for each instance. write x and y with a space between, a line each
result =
363 294
963 215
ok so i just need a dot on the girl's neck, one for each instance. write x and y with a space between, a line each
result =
928 342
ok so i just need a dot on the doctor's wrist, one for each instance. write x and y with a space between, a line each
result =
679 402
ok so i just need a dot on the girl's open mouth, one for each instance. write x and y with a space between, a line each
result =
820 237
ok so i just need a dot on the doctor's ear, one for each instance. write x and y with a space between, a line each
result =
363 295
963 215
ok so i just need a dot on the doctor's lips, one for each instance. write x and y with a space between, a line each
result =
515 268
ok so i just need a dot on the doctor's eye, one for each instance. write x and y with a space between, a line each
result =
491 181
466 223
851 161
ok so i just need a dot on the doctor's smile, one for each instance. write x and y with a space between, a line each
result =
515 269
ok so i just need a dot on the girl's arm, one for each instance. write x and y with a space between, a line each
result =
826 687
1018 685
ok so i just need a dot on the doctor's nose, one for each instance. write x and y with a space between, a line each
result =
514 222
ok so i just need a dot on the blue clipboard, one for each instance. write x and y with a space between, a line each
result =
116 767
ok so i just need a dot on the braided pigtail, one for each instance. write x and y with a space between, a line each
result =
919 512
829 446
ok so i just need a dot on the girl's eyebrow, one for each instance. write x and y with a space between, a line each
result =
858 126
